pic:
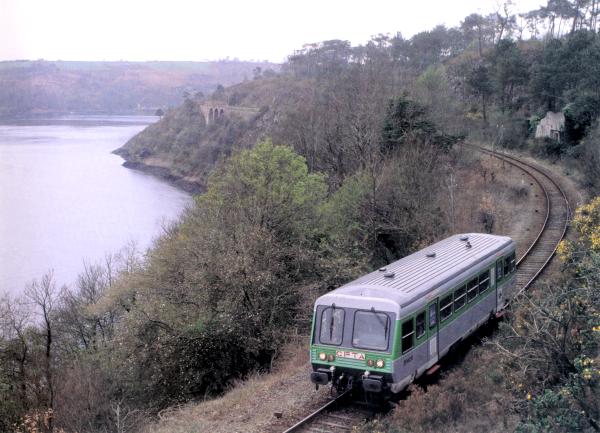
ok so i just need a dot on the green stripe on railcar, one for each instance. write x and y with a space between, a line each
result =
353 358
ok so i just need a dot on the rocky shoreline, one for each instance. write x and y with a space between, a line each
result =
166 174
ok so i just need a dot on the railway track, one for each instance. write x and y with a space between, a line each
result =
557 213
337 416
342 413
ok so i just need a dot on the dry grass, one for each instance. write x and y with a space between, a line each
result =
471 398
251 405
485 185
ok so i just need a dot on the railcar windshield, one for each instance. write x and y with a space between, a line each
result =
371 330
332 325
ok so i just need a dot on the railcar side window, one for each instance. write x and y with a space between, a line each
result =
513 262
446 307
371 330
472 289
460 298
499 268
484 281
332 326
420 325
506 265
407 335
432 316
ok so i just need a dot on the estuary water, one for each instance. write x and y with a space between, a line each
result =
65 199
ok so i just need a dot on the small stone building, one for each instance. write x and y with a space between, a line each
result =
551 126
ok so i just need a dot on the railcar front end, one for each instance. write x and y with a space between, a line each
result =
353 346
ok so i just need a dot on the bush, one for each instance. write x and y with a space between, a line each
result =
221 289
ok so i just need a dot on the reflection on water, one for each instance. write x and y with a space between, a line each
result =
64 198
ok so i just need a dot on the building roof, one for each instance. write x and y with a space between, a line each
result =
418 274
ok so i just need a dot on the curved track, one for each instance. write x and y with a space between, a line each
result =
340 414
535 259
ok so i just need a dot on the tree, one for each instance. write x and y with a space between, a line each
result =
15 360
407 121
509 71
475 27
480 84
45 298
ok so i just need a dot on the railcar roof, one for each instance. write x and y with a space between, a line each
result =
419 273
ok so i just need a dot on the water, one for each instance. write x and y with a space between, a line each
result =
64 198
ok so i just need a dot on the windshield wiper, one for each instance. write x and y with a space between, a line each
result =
331 322
382 322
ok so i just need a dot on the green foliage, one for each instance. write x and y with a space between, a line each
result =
580 115
551 412
566 68
221 289
382 216
479 82
344 215
407 121
551 349
510 70
11 407
200 362
534 121
269 187
588 153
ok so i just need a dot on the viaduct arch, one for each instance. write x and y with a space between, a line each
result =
215 111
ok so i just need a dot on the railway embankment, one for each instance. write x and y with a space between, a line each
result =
272 402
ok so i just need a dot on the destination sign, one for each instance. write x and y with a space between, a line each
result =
350 355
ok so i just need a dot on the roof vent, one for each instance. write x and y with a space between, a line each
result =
464 238
389 274
468 244
430 254
382 269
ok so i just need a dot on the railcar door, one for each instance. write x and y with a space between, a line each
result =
432 331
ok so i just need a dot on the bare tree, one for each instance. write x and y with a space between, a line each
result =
45 297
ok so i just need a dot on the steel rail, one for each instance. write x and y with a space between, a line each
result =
564 213
329 405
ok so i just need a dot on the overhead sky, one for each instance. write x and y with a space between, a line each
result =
214 29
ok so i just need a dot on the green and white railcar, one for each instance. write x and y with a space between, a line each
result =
388 327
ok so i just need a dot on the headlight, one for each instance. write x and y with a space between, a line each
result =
380 363
322 356
370 363
330 357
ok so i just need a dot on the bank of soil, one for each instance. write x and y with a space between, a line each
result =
187 184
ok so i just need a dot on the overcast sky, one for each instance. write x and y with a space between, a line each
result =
216 29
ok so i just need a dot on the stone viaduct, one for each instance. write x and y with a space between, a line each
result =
213 111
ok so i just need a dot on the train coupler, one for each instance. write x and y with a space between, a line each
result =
372 383
320 377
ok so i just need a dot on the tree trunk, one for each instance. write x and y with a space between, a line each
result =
49 371
484 109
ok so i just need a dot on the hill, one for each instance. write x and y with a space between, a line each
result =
185 144
57 87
